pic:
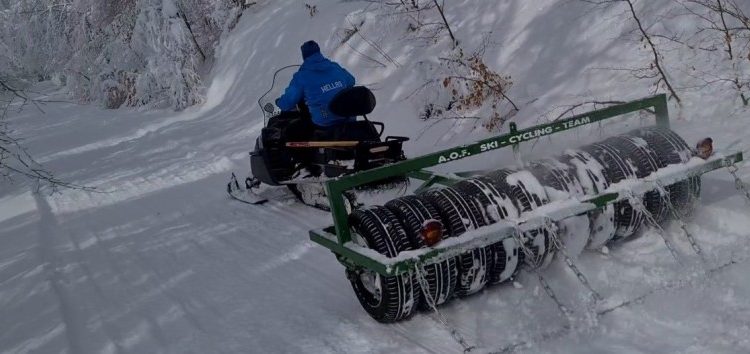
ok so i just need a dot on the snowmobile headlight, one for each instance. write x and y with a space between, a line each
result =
432 232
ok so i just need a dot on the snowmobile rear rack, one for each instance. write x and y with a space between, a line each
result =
322 144
338 237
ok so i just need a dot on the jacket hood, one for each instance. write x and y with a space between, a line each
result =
316 62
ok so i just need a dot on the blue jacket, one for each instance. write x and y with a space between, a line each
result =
317 81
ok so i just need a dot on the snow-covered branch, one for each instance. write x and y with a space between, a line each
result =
129 52
15 160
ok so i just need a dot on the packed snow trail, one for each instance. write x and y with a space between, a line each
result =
161 261
174 266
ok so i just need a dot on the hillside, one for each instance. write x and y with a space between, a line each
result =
160 260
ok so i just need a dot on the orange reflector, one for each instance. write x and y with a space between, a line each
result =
432 232
705 148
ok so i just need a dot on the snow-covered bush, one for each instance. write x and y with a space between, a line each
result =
126 52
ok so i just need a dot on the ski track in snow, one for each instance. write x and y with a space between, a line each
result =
161 261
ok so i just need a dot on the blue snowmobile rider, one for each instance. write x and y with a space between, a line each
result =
315 84
304 105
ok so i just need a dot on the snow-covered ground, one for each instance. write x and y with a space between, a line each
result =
161 261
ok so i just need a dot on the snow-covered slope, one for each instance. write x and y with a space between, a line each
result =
160 261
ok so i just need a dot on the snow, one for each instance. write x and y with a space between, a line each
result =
168 8
161 261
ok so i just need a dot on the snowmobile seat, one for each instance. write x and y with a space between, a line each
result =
372 151
352 102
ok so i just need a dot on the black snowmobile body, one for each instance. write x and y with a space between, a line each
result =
355 146
358 146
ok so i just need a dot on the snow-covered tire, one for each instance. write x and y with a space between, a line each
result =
527 197
441 277
528 194
591 175
561 182
507 260
494 205
627 219
558 176
458 216
539 251
385 298
646 161
672 149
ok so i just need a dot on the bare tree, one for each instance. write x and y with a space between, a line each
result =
15 160
726 26
460 85
656 56
656 69
426 18
440 9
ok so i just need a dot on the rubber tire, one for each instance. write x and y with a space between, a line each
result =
507 261
456 213
563 179
526 199
672 149
441 277
384 233
646 161
495 205
539 243
591 175
627 219
558 176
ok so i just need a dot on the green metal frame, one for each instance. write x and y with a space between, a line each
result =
337 237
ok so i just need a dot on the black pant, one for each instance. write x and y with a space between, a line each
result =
293 126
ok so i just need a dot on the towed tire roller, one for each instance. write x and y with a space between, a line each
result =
490 220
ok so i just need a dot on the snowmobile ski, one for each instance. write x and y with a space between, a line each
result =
247 194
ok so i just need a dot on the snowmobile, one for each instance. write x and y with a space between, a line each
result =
276 161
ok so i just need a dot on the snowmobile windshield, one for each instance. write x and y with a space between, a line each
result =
281 78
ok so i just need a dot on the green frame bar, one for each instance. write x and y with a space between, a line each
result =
415 167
